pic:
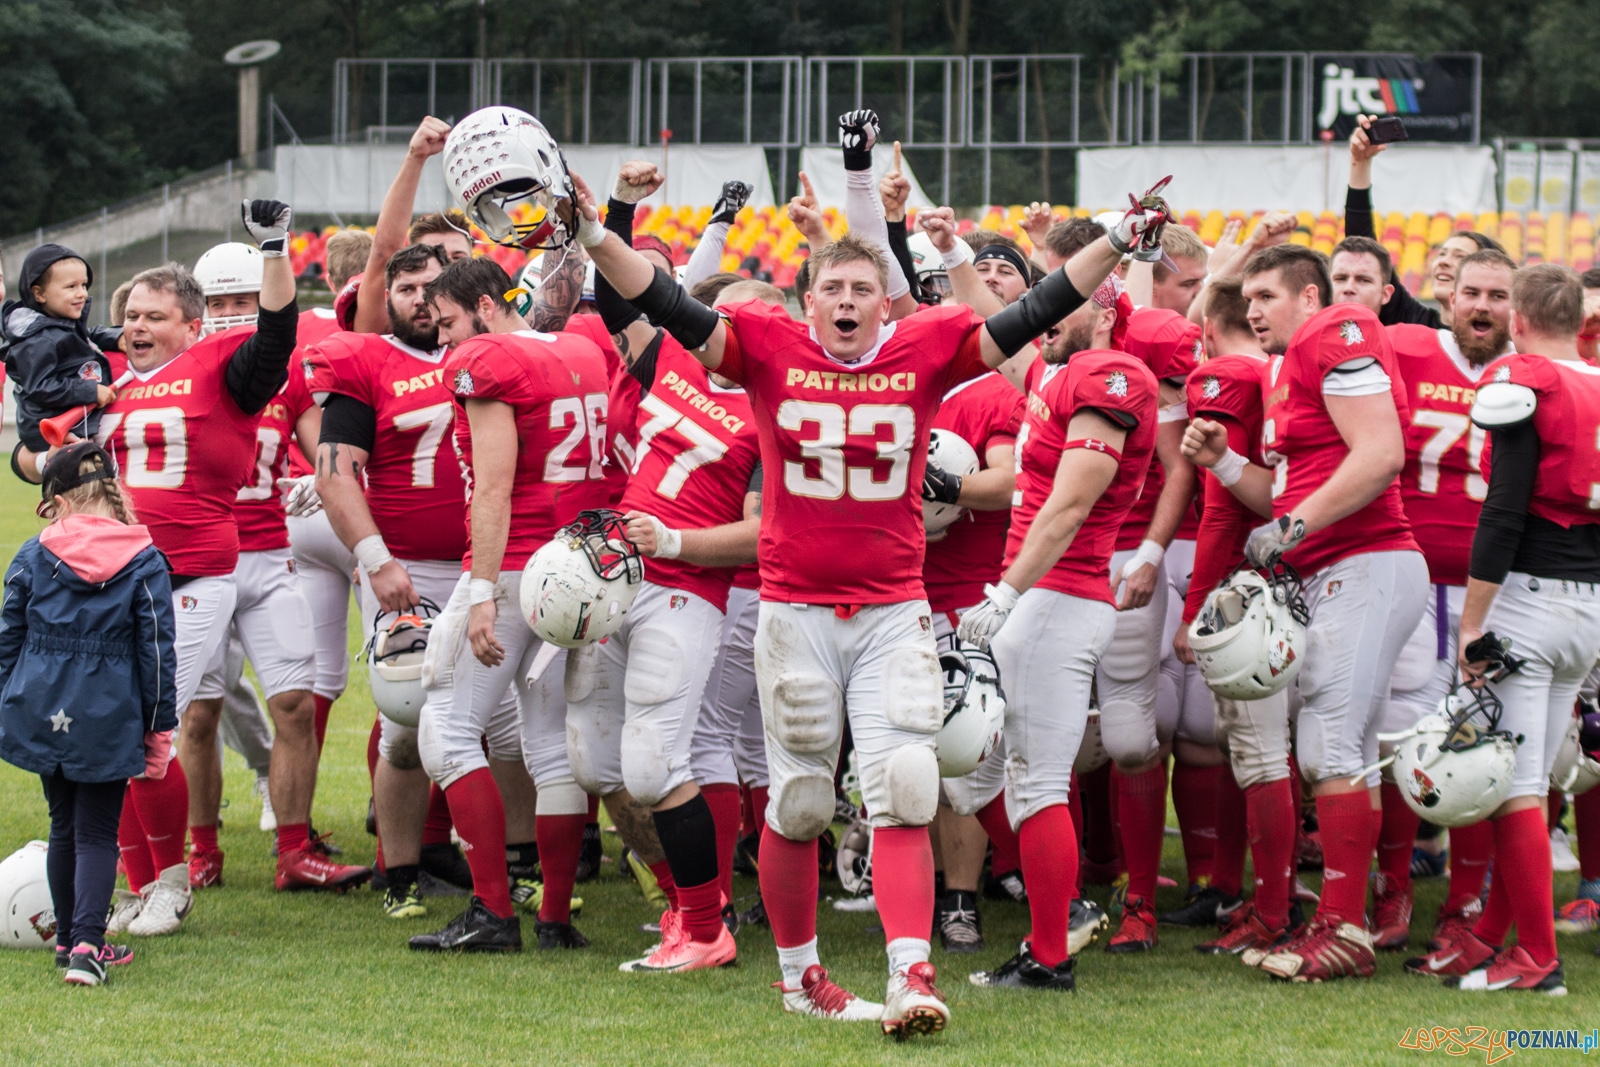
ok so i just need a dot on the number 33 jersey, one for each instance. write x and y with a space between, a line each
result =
843 447
414 484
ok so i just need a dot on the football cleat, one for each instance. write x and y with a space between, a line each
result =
1006 886
687 954
820 998
124 909
1084 926
671 930
475 930
1514 969
1578 917
1022 971
1252 956
269 819
755 915
307 868
1329 949
1391 914
746 854
914 1004
1561 857
654 895
960 925
1244 930
1452 923
1457 951
1589 889
404 902
558 935
446 864
1204 906
166 901
1138 930
1425 864
528 895
205 867
590 854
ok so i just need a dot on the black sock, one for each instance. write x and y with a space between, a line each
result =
688 836
401 876
522 861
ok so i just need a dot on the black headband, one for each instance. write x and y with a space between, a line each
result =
1010 255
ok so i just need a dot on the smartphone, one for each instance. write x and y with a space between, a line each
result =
1387 130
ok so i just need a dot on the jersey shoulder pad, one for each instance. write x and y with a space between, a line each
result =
1502 402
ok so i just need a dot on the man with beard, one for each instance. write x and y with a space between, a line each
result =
1443 491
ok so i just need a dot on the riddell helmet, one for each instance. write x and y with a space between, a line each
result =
226 269
578 587
25 895
974 711
951 454
1455 766
1249 638
1092 754
394 665
499 160
1575 771
854 860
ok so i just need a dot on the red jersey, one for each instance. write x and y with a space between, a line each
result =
1440 485
844 446
1567 419
314 326
1096 380
1227 390
1299 436
184 448
1169 345
258 508
984 412
697 449
556 387
415 489
622 406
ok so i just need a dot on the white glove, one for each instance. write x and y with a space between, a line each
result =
300 497
984 621
1269 541
1138 233
268 221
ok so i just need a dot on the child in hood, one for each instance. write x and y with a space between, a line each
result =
86 686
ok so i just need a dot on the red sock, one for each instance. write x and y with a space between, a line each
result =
204 838
1471 849
1050 869
747 819
136 861
1586 818
436 828
323 705
1233 834
1523 853
560 839
669 885
1552 810
789 887
292 836
1495 922
1194 799
1397 836
724 801
372 747
996 822
1142 810
480 817
702 911
163 807
1346 821
902 880
1273 816
758 806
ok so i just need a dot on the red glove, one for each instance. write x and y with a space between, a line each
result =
157 753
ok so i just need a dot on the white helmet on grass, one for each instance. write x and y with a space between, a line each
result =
25 896
578 587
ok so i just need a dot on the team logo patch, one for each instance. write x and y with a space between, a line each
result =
1210 389
1094 443
1117 384
1351 332
1199 350
1279 657
289 564
90 371
44 924
1422 789
678 601
308 367
188 603
926 622
464 386
1333 589
1503 374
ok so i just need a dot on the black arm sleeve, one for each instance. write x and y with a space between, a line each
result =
615 312
1358 213
1514 467
643 369
1039 309
260 366
1402 306
666 305
348 421
902 255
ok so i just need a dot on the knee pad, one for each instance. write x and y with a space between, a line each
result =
430 747
1128 735
801 807
910 787
398 745
914 691
588 766
1198 720
805 714
655 667
561 796
504 736
650 767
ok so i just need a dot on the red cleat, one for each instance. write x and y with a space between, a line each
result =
1138 930
1452 924
1456 951
1391 914
308 868
1330 949
205 867
1515 969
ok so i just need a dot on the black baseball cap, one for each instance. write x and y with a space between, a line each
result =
61 472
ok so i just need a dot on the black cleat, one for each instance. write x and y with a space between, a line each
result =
960 925
1005 886
475 930
590 855
446 864
730 918
1204 907
559 935
755 916
1022 971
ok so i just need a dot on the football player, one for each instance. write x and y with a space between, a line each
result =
844 626
1334 418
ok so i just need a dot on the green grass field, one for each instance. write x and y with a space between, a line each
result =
257 977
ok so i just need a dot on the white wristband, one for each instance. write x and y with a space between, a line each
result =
480 591
372 553
1230 468
39 460
669 542
960 253
590 233
1149 552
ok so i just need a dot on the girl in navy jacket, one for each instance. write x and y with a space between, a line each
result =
86 686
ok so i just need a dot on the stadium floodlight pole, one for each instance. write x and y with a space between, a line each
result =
248 57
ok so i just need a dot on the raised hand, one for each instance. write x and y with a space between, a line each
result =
940 225
1036 222
637 180
268 222
858 132
731 202
429 138
807 215
894 189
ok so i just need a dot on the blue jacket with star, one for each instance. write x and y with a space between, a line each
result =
87 664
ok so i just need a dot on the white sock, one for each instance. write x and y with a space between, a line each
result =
794 961
904 951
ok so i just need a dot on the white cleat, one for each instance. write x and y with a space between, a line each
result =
914 1004
1561 857
819 997
169 901
124 909
269 818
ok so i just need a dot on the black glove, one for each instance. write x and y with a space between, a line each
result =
734 195
268 221
941 485
858 132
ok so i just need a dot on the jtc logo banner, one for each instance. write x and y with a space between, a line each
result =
1437 98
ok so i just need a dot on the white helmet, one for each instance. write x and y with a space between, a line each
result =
854 860
949 452
499 158
25 896
578 587
1092 754
1249 638
1453 771
932 277
532 276
226 269
974 711
1575 771
394 664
